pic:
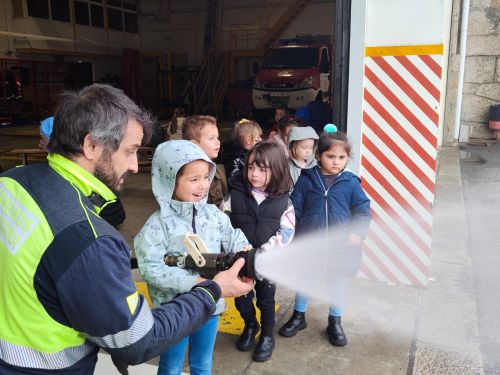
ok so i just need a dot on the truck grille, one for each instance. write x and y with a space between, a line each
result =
278 85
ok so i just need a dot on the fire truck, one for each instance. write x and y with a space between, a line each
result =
292 73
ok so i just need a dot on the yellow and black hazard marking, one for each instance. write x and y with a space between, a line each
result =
230 320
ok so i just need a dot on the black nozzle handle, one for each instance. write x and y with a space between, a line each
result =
248 269
215 263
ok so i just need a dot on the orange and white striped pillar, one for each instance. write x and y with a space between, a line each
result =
393 123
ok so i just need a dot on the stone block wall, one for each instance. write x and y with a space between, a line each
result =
482 68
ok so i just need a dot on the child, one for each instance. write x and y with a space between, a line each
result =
173 130
45 133
301 144
203 131
284 126
181 174
325 196
259 205
279 113
246 134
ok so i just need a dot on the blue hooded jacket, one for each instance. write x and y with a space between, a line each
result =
318 207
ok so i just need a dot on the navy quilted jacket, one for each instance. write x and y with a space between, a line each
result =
318 207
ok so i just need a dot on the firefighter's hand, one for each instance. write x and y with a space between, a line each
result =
230 284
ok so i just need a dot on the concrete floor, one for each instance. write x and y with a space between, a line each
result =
391 329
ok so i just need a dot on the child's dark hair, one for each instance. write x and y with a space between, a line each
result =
287 121
269 154
327 139
244 128
191 129
178 112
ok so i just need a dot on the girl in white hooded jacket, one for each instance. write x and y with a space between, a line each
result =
181 175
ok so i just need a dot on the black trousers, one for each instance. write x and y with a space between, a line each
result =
265 291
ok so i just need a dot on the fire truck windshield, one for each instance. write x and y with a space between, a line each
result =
291 58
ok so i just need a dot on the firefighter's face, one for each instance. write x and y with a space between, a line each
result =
113 169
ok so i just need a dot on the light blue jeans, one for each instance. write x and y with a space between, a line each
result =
337 298
201 347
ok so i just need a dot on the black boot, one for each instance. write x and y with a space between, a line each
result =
335 331
296 323
264 349
245 341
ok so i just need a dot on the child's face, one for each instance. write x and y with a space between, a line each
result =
192 185
259 177
334 160
257 138
252 140
278 114
304 149
209 141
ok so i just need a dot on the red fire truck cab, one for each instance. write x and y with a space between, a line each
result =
292 73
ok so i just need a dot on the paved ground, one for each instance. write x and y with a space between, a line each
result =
391 329
480 167
452 327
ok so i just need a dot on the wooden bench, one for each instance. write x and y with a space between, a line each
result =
35 154
145 157
24 155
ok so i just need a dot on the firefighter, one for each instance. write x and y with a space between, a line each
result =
66 288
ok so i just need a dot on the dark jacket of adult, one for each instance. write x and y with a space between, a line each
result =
258 222
319 115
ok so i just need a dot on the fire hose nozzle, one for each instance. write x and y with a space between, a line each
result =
209 264
215 263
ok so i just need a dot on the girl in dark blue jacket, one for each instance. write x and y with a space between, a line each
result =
327 196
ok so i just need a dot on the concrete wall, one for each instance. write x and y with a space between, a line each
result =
104 48
482 70
86 39
174 26
179 29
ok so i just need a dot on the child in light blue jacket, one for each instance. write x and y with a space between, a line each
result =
181 175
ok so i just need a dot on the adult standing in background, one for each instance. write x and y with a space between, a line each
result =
319 113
